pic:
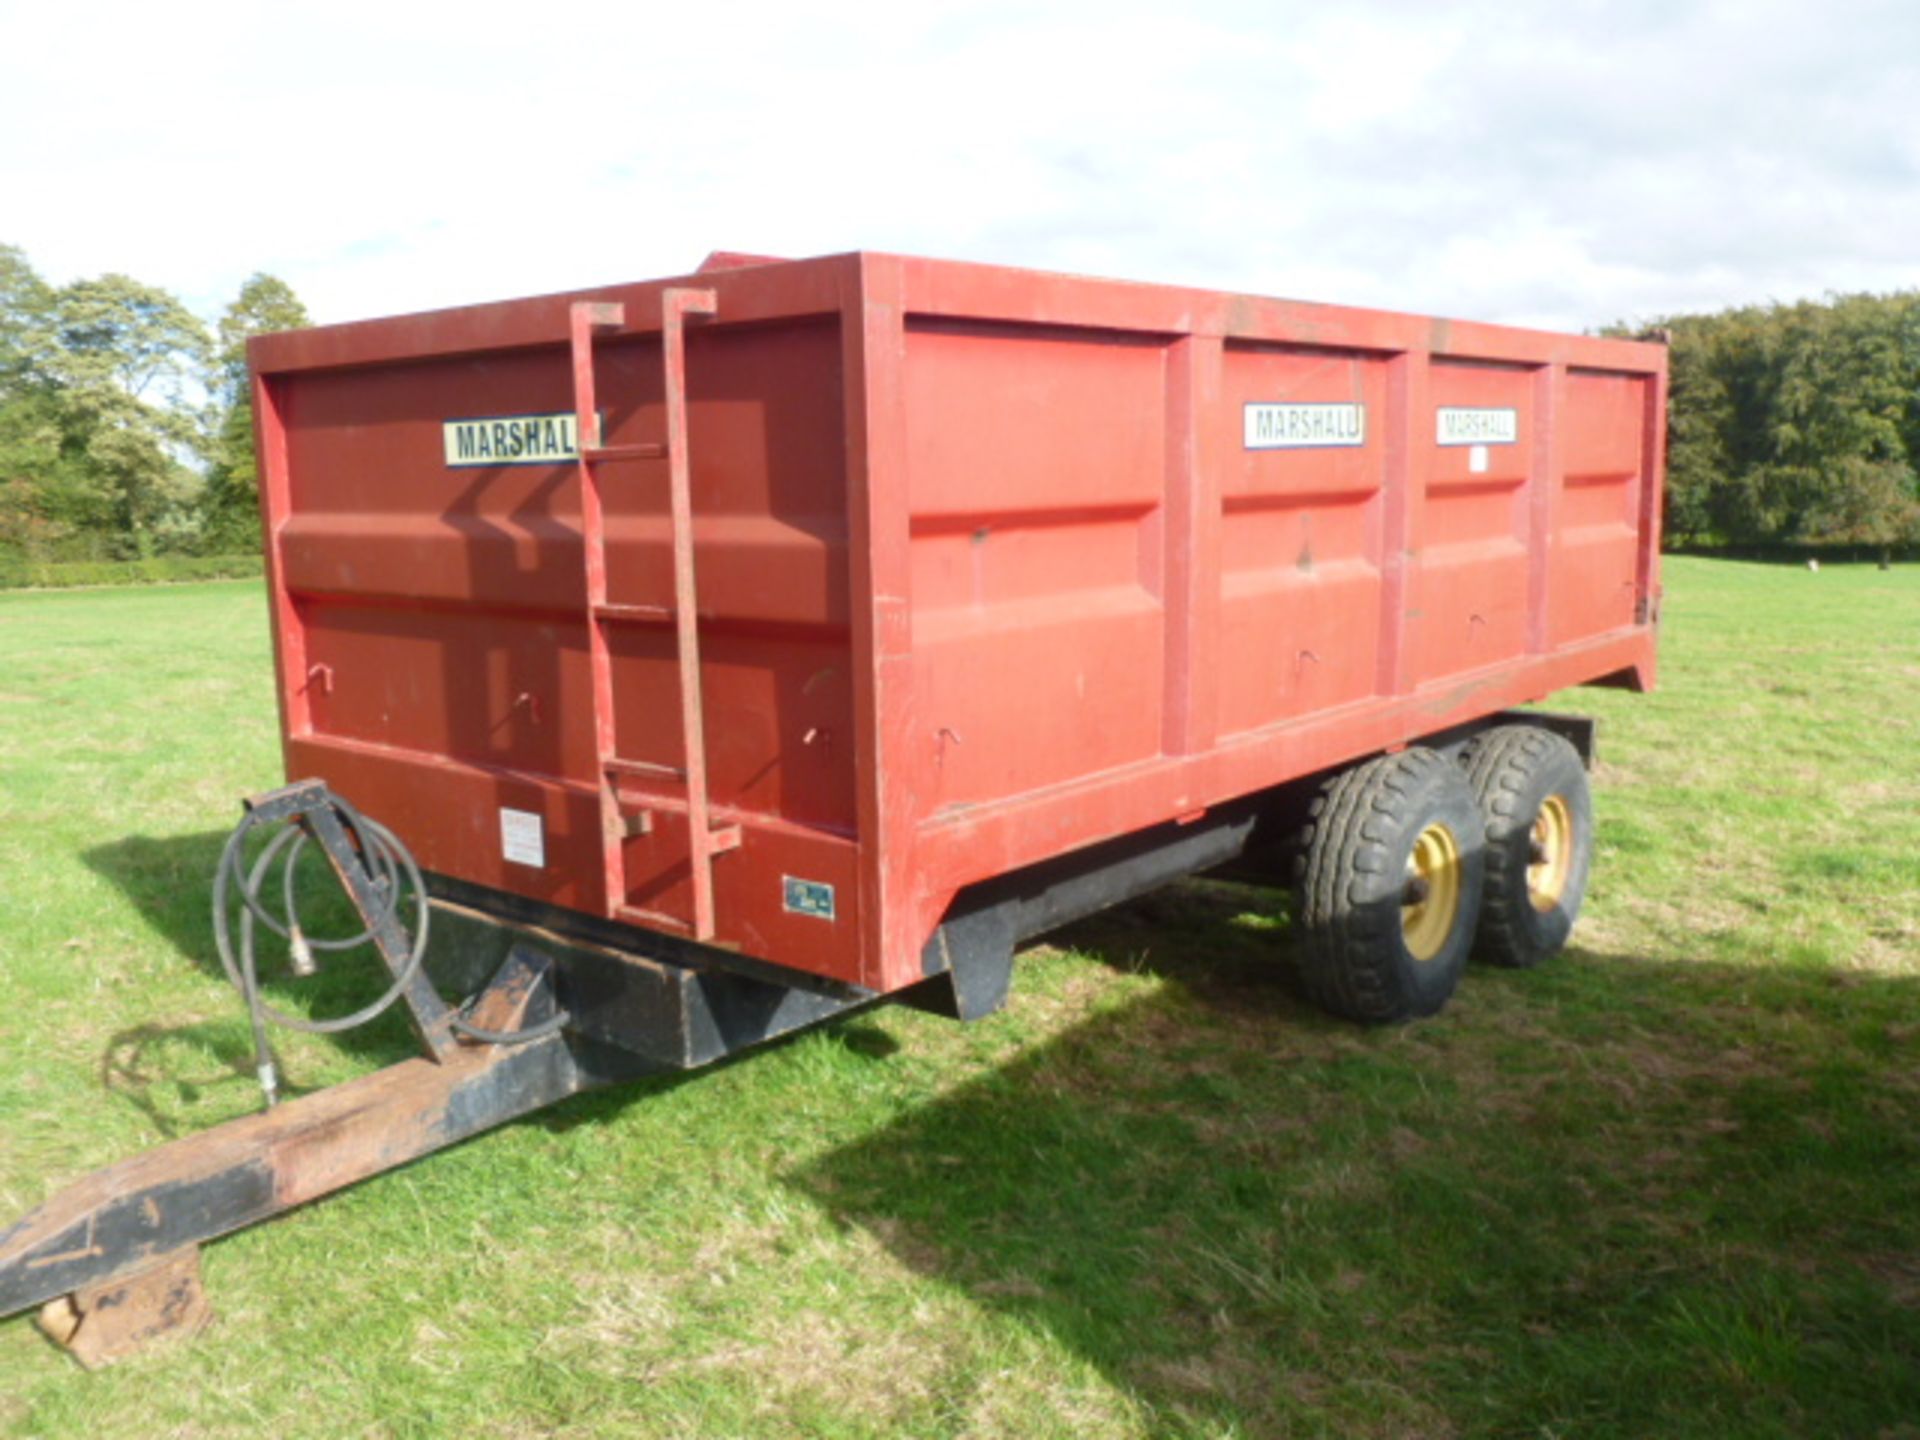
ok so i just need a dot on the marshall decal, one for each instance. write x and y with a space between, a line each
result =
1304 427
511 440
1475 425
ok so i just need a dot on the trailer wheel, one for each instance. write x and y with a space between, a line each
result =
1538 812
1390 887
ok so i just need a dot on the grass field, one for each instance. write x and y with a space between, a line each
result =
1668 1185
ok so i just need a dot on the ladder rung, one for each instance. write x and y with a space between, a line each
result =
632 612
593 454
721 838
618 766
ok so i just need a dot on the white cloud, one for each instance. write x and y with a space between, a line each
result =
1562 165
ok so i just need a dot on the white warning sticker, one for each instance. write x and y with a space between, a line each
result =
523 838
1476 425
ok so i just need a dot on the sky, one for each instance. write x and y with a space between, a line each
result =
1562 165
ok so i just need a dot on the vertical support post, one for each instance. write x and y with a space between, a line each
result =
431 1019
276 504
1546 477
582 319
1408 409
675 305
873 356
1653 467
1190 565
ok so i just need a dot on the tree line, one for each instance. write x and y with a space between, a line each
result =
126 424
1796 425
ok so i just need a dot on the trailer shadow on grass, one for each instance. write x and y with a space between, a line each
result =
1616 1195
165 1069
1621 1194
169 881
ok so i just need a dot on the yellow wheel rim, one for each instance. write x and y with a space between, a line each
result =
1432 900
1550 848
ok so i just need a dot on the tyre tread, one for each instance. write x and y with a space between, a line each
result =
1503 765
1349 963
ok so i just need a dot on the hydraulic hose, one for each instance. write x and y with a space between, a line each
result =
392 869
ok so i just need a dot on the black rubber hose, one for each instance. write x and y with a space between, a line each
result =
380 863
470 1031
388 862
380 845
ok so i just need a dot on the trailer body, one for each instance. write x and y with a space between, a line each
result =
989 568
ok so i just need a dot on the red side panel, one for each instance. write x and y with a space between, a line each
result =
1301 540
1172 547
1468 602
1595 543
1035 468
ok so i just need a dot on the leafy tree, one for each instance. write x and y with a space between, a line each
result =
265 304
1865 502
116 333
52 499
1796 424
126 361
102 429
126 426
1698 405
231 506
24 301
48 494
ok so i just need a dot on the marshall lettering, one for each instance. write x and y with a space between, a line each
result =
1471 425
511 440
1304 427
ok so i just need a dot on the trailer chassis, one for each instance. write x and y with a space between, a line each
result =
573 1005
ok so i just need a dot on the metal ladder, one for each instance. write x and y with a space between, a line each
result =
621 816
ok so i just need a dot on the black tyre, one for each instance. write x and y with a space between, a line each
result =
1390 887
1538 813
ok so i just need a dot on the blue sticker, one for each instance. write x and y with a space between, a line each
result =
807 897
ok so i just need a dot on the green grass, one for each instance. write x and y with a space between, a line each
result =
1668 1185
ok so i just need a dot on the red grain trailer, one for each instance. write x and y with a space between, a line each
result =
887 578
796 634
